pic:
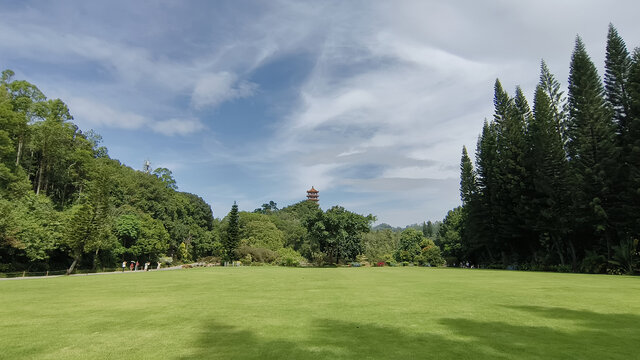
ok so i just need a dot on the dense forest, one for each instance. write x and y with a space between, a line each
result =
557 186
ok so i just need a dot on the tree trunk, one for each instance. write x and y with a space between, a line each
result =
73 264
574 262
19 151
95 259
559 247
40 172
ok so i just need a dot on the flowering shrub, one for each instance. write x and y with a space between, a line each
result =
380 263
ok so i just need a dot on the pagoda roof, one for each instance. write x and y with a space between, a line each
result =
312 190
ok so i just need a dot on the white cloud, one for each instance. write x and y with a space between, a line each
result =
90 113
213 89
177 126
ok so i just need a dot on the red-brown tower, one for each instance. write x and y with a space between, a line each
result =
312 195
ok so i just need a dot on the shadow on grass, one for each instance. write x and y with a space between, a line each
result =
324 339
571 334
580 335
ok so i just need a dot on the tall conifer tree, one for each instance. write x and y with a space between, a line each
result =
549 173
591 151
486 210
511 173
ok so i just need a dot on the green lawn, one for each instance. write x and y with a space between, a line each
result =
343 313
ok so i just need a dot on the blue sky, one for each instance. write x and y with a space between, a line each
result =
252 101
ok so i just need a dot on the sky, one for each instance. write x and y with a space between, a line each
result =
368 101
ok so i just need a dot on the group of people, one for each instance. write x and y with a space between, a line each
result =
134 265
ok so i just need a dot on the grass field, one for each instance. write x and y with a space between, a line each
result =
339 313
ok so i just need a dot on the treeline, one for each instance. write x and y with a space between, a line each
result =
557 186
65 203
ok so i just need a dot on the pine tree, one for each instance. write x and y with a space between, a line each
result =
232 238
617 66
511 175
591 151
485 212
467 178
616 81
549 173
632 193
551 87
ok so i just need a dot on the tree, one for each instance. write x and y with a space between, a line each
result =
409 248
232 238
617 66
632 190
468 187
550 175
511 175
267 208
258 230
166 176
379 246
89 221
450 235
337 233
485 212
591 151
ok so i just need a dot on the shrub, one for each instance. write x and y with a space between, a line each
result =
166 260
593 263
257 254
246 260
355 264
318 258
289 257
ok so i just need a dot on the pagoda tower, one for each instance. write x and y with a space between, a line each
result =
312 195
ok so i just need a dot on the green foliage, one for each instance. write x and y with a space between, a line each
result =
289 257
430 254
166 177
337 233
259 255
626 256
380 245
183 254
232 236
409 245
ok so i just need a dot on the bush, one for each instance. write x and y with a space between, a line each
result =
166 260
593 263
318 258
355 264
564 268
257 254
289 257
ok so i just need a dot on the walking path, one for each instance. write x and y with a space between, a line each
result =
97 273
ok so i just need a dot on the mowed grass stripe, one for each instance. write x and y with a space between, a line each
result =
345 313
